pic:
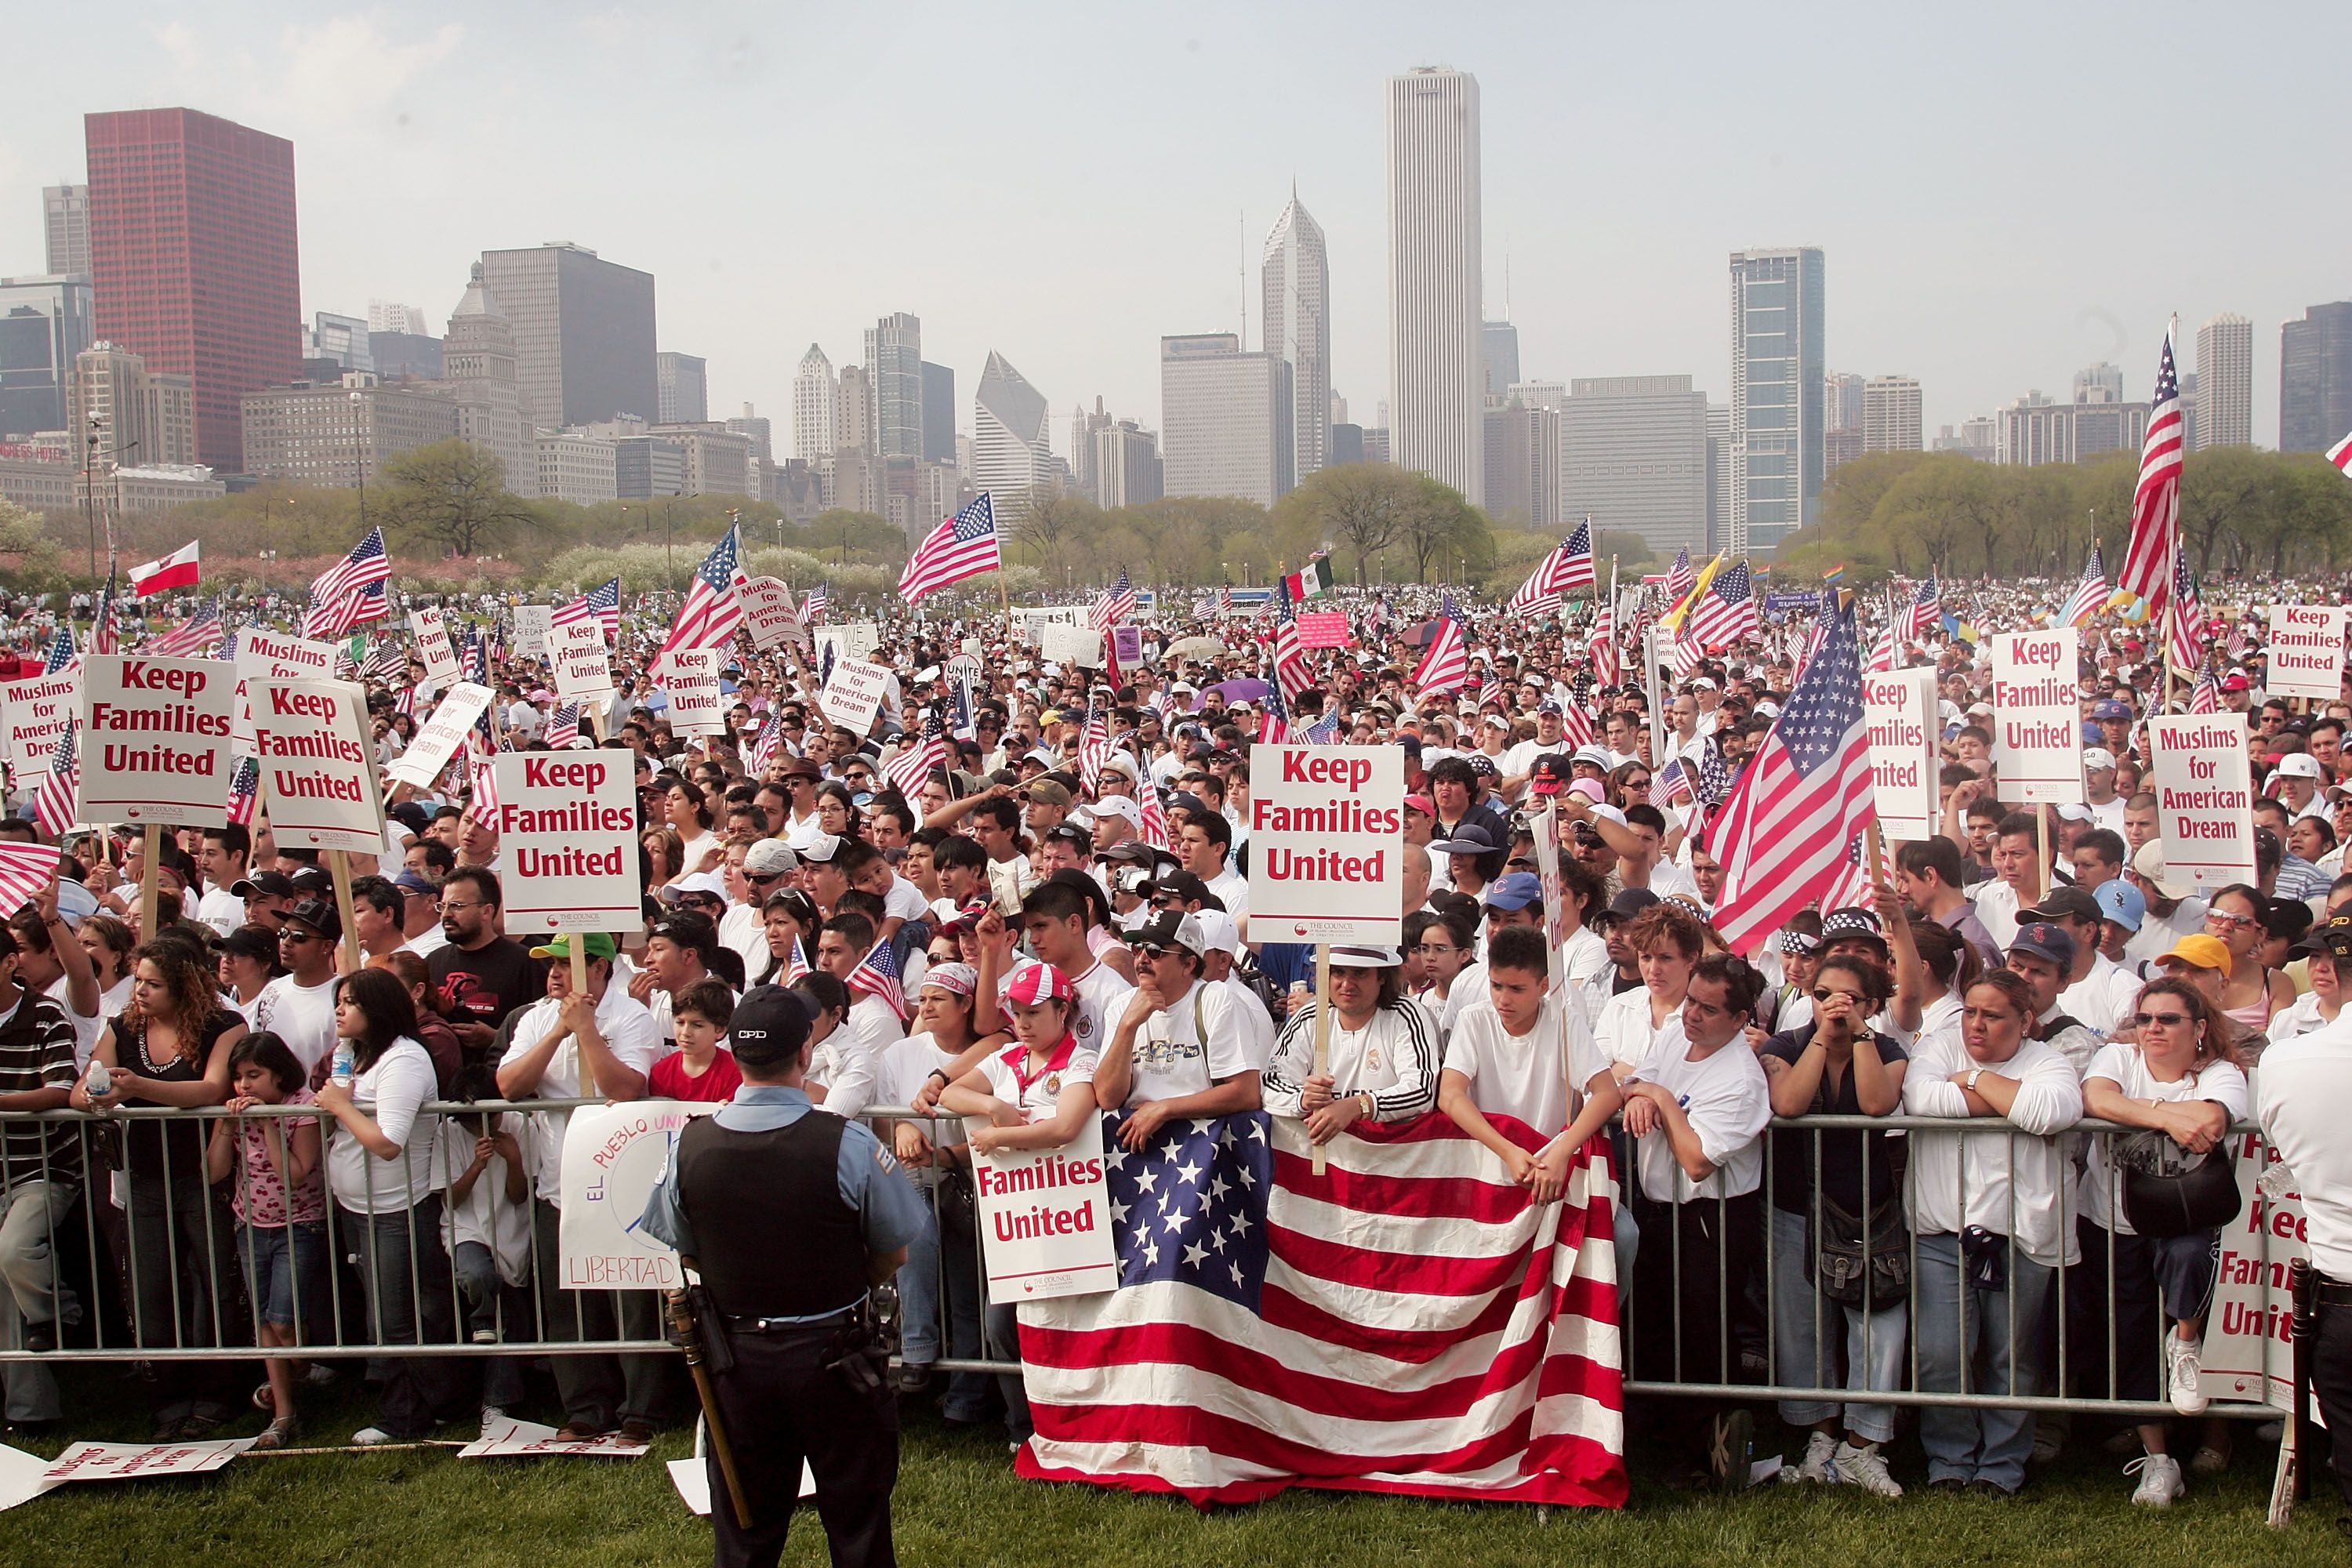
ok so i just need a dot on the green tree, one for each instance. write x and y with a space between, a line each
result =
1049 524
2226 493
851 536
452 494
1935 509
1438 525
29 558
1358 507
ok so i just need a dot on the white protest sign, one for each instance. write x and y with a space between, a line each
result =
2248 1354
2037 710
1543 829
853 696
768 613
1327 842
691 675
1071 645
1899 707
584 671
433 644
531 624
263 655
442 734
316 764
137 1461
155 739
613 1156
510 1439
2306 651
850 639
1045 1218
567 825
36 711
2204 797
963 667
1034 620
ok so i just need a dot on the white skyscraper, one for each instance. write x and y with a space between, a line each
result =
813 394
1296 288
2225 382
1437 372
1011 453
1225 419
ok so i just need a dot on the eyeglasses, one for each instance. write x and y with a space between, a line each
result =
2159 1020
1637 784
761 880
290 934
450 907
1151 949
2229 922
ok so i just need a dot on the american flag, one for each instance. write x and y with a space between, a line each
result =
1446 663
1671 785
1324 732
2206 697
910 767
2156 504
813 607
563 730
2089 594
960 720
1406 1321
1575 723
484 805
877 974
1882 656
1148 807
601 604
1713 777
338 617
1094 746
1292 671
962 546
765 740
407 701
245 790
57 801
714 606
193 639
25 870
1806 796
366 564
1602 646
1926 610
1115 607
1725 613
1273 728
105 629
61 654
796 962
1680 578
1567 564
384 661
2185 618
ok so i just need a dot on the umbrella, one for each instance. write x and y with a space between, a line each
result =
1195 647
1417 635
1233 691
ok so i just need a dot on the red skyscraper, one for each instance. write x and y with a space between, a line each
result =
192 258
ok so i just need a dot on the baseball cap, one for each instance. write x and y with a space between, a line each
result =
2150 863
769 1028
1119 762
2108 707
1592 756
1171 927
2074 811
1118 806
2236 683
314 879
1035 983
594 943
1046 792
2332 937
1851 923
2299 765
1549 773
269 884
2064 904
685 928
320 916
1220 931
1421 804
2121 902
2045 941
770 858
1513 892
1071 833
1353 957
2201 952
2099 757
708 883
820 848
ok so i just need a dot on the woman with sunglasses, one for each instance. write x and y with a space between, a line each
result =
2180 1078
1629 784
2252 993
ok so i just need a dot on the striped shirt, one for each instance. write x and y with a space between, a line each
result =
36 1052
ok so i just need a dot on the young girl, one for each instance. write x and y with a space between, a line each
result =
701 1068
279 1197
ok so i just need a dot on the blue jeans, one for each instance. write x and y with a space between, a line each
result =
1967 1343
405 1271
1005 1344
286 1267
927 1268
1807 1328
493 1305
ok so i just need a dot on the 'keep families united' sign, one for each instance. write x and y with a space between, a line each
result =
1327 843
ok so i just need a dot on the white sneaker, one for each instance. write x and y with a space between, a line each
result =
491 1415
1821 1455
2183 1359
369 1436
2159 1480
1865 1468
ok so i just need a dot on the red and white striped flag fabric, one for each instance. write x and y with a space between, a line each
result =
1602 646
106 627
1115 607
1680 578
2184 619
911 766
1148 806
484 805
601 604
1725 613
180 569
1926 610
765 741
1094 743
2340 454
563 730
1293 671
1406 1322
366 564
245 790
56 801
1445 664
2089 594
25 870
2156 504
1882 656
2206 698
1568 565
194 637
1575 723
796 962
713 610
1805 796
877 974
964 545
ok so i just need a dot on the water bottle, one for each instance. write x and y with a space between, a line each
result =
99 1083
341 1072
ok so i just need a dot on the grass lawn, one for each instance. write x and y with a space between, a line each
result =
958 1502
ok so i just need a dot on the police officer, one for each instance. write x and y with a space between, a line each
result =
766 1168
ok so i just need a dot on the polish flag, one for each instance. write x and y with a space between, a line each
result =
177 570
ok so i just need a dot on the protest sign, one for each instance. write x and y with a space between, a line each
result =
1899 707
442 734
584 671
2204 797
691 675
1035 620
317 767
613 1156
138 1462
509 1439
2037 710
1543 828
155 739
850 639
567 827
264 655
1127 645
1324 628
768 613
2306 651
1327 840
36 711
1080 646
1045 1218
963 667
531 625
2248 1354
853 696
433 644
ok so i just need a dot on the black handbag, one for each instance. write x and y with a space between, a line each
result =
2169 1191
1868 1266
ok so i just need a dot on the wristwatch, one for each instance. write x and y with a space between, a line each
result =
1970 1083
1365 1099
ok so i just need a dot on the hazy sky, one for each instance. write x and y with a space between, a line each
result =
2005 193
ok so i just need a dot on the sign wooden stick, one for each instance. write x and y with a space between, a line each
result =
339 866
148 886
1322 1027
578 943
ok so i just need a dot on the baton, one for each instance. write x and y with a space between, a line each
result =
689 1343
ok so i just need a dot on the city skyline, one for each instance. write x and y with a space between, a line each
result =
1980 277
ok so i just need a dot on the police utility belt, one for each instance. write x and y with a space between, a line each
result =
739 1324
2330 1292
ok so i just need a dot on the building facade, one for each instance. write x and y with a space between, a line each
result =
342 339
718 461
482 378
64 230
584 331
2315 378
1012 452
2225 382
2037 429
1225 419
681 389
1777 370
1294 301
410 356
194 261
1523 451
45 323
853 413
894 369
813 389
335 436
141 418
1498 348
938 413
1116 461
1437 372
1891 416
575 468
1635 454
760 430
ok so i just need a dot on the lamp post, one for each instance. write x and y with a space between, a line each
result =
359 459
267 557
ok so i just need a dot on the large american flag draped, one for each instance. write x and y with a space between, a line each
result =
25 870
2089 594
2156 504
713 610
1446 663
56 801
1726 612
962 546
601 604
330 613
1408 1322
1783 837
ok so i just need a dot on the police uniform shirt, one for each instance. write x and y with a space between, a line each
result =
1035 1091
2303 1092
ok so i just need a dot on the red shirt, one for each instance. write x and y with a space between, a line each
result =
669 1080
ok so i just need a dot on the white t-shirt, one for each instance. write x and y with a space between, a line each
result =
629 1030
392 1092
2104 999
2157 933
1102 1002
1035 1094
1233 891
1171 1058
844 1064
2301 1018
2300 1091
1729 1103
1257 1023
744 929
2126 1067
301 1016
1522 1075
487 1216
86 1030
220 910
1521 758
433 940
1996 903
904 900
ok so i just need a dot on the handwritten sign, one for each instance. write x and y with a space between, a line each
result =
2204 797
316 765
853 696
264 655
2306 651
155 739
1899 707
613 1157
36 712
567 825
584 671
850 639
531 622
2037 707
442 734
1080 646
1045 1218
1327 843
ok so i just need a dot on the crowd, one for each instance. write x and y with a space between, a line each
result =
1057 919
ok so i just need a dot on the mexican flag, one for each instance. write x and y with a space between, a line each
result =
1313 578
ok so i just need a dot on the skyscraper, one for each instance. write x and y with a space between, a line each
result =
2315 378
44 325
2225 382
760 430
583 332
814 390
1225 419
1437 373
681 388
852 411
1890 415
938 413
65 229
1635 454
1294 293
1011 453
192 258
149 419
893 367
1498 343
481 375
1777 371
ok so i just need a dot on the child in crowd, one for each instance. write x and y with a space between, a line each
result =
702 1069
487 1207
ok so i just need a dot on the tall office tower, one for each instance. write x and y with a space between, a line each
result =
583 332
482 378
1890 415
1635 453
759 429
342 339
1718 474
1437 373
64 230
894 364
938 413
141 419
1295 299
1117 461
813 390
1010 453
1777 370
681 389
1225 419
192 258
1522 464
409 321
1498 347
45 322
852 411
1841 400
2315 378
2225 382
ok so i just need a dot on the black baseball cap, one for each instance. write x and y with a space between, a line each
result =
2065 904
320 916
269 884
771 1027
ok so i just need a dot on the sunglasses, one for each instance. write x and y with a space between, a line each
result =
2220 918
1151 949
2161 1020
